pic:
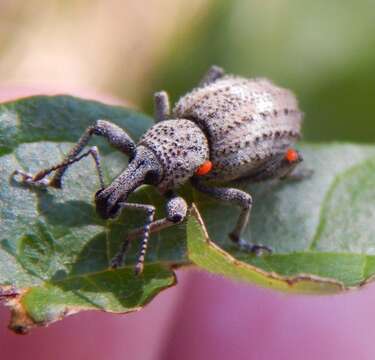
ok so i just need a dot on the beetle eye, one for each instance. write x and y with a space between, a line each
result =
152 178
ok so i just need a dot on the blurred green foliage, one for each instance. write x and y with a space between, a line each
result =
323 50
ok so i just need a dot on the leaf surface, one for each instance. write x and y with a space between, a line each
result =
55 251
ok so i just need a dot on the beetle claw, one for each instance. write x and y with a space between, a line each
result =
256 249
25 178
117 261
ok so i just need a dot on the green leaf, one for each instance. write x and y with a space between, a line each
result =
55 251
322 226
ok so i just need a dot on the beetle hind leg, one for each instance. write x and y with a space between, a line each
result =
244 245
242 199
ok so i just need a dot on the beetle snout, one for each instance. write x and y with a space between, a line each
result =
105 208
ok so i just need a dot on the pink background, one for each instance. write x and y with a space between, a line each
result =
206 316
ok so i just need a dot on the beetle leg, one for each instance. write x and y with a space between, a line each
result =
162 106
39 179
155 226
242 199
116 136
150 211
214 72
176 213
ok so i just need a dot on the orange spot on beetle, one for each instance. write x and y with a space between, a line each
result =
204 169
291 155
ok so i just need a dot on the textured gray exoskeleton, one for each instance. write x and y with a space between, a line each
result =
228 128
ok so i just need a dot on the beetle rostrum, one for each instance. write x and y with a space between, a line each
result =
227 128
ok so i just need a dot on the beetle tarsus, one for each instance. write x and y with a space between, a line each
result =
40 178
138 270
28 179
118 259
256 249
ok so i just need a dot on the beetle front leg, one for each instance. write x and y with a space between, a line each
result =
116 137
242 199
150 211
39 179
176 212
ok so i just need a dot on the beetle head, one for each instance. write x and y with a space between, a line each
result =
144 168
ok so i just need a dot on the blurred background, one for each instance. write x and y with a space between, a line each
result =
323 50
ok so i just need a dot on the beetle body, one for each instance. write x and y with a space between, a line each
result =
227 128
246 123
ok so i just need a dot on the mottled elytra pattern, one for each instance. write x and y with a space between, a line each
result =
247 122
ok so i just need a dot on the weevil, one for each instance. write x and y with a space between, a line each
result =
227 128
